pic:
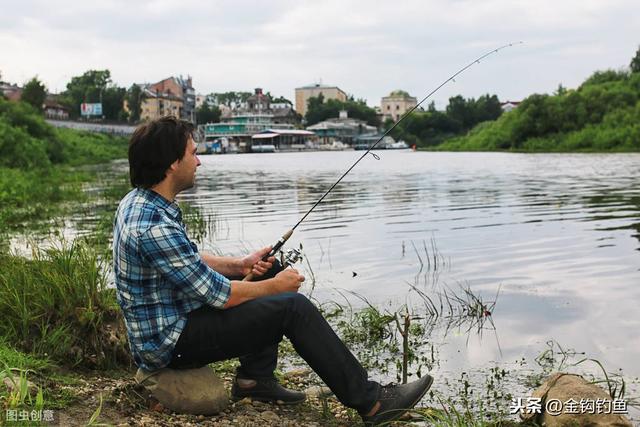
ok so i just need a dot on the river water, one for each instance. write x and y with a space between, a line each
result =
557 234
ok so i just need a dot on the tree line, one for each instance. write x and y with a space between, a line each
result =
602 114
465 122
432 127
96 86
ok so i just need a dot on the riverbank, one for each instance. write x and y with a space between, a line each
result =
113 398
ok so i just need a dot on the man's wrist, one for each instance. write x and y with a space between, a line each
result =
239 266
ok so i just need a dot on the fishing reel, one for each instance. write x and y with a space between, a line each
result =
290 256
283 260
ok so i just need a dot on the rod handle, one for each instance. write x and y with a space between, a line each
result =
275 248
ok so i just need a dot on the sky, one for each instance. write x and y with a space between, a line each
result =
366 48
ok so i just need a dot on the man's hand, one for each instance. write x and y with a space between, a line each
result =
288 280
253 263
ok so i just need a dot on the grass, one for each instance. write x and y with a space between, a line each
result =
38 168
58 305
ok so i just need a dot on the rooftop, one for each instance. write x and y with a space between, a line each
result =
318 86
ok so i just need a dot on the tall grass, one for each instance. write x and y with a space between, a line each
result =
58 305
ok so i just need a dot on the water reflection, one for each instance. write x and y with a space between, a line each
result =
559 233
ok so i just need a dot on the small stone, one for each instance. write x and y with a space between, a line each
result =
317 391
269 416
297 373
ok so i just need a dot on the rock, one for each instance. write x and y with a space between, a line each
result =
570 390
269 416
318 391
186 391
12 383
297 373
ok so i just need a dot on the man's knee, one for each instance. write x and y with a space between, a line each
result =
301 304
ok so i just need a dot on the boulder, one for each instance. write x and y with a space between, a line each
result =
186 391
581 404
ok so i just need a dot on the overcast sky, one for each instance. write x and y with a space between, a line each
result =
367 48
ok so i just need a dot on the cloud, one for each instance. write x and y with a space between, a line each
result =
367 48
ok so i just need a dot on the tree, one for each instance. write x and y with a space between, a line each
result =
34 93
560 91
112 100
134 102
279 100
487 107
92 87
460 110
635 62
230 99
206 114
318 110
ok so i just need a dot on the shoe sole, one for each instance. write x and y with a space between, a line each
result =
414 403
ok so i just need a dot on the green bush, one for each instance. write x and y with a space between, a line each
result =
28 142
80 148
601 115
21 150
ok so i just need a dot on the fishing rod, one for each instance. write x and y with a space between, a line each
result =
275 248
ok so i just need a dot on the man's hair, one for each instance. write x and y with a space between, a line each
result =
154 146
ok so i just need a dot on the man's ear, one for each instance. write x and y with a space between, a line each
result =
172 167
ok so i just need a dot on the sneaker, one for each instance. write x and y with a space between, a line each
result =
268 390
396 400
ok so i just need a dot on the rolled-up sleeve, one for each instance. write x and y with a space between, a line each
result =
166 248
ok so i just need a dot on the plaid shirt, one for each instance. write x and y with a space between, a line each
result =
159 276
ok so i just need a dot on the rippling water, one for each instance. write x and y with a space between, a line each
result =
559 234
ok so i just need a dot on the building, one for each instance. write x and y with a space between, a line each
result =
10 91
188 99
396 104
509 105
54 110
343 129
283 140
200 100
255 116
157 104
173 95
328 92
240 127
258 102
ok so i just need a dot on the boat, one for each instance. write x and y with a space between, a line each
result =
217 146
263 148
334 146
400 145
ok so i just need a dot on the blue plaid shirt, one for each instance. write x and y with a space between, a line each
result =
159 276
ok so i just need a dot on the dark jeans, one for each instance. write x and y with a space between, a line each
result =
252 331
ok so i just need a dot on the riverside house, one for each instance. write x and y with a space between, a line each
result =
257 115
343 129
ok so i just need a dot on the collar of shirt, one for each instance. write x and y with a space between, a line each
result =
171 208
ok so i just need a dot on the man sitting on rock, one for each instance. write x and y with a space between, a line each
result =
182 310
